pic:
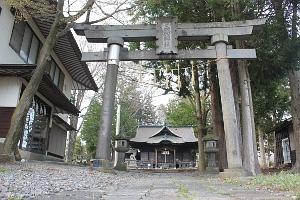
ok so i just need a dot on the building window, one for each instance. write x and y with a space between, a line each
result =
56 75
27 45
34 49
0 10
24 42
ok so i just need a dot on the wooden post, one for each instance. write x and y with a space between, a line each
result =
155 158
174 158
117 132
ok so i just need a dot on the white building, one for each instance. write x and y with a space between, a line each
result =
46 126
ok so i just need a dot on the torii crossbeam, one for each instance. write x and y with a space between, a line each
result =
166 33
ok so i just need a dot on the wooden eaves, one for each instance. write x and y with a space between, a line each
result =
47 88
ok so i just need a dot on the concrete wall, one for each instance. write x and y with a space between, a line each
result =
7 54
10 88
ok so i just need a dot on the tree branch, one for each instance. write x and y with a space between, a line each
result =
88 6
108 15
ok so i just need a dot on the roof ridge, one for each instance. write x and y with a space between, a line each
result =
152 126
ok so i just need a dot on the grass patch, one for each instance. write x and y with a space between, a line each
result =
281 181
184 192
234 181
14 198
284 181
217 190
2 169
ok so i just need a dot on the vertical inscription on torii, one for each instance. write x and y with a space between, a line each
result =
166 36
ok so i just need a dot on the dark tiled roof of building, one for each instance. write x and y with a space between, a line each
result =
69 54
157 134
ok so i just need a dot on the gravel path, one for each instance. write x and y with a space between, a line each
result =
32 179
42 181
188 186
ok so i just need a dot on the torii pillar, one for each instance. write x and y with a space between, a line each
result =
104 137
234 157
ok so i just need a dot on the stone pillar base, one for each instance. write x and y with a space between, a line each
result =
121 167
102 164
231 173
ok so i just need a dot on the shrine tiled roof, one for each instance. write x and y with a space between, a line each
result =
157 134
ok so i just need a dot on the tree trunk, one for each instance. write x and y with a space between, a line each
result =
19 116
294 77
253 128
235 88
200 125
250 160
217 118
73 122
262 149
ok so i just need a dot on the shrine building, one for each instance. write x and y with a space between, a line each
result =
165 147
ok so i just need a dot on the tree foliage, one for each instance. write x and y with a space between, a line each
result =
90 128
276 53
181 112
136 108
79 149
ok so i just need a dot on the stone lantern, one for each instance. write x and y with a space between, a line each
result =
122 146
211 150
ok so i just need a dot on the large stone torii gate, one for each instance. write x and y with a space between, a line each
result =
167 32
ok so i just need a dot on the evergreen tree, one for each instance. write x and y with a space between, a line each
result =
90 127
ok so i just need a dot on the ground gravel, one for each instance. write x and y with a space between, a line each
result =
31 179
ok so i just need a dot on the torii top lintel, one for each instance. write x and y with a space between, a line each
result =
184 31
167 32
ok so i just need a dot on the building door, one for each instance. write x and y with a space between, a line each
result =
166 156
